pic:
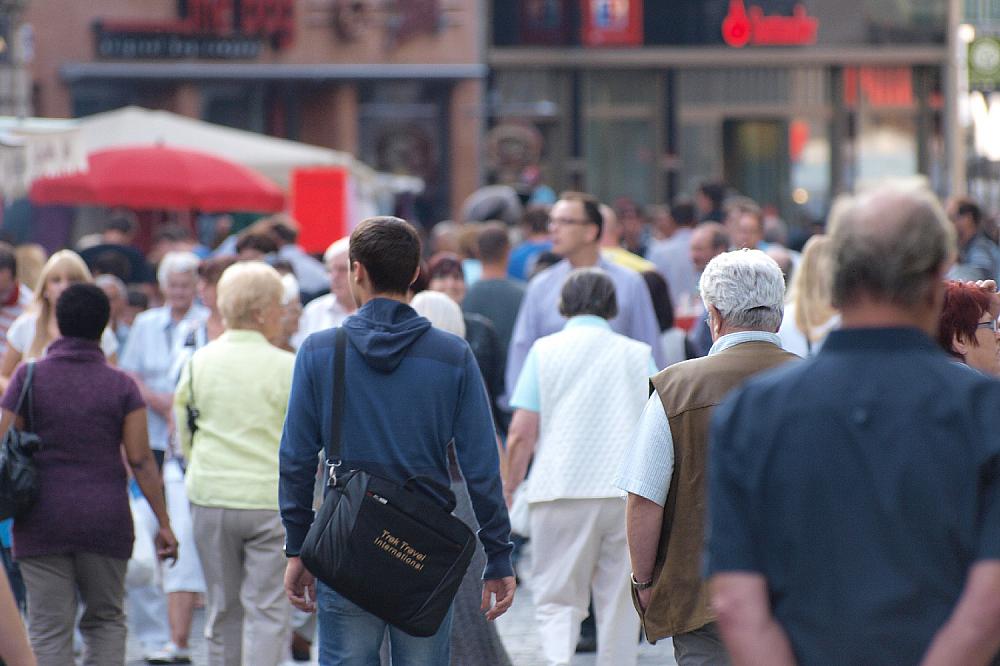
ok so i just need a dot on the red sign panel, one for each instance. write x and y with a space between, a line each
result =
742 27
319 205
612 22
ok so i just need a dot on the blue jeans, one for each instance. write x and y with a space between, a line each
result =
350 636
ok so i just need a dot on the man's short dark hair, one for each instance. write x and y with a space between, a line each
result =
536 218
261 242
285 232
588 291
493 243
82 311
389 249
714 191
683 212
591 208
113 262
8 259
966 206
121 224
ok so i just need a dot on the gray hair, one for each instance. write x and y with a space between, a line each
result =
176 262
746 287
442 312
336 248
108 280
889 244
588 291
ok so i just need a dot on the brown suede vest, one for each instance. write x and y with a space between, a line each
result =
689 392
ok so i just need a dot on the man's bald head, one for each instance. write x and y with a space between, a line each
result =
891 244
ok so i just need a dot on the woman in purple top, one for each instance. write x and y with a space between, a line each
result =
75 541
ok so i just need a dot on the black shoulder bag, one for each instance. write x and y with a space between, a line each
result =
18 476
391 548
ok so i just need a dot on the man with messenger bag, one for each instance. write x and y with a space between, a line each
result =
384 547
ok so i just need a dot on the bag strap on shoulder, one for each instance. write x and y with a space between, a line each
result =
26 394
339 389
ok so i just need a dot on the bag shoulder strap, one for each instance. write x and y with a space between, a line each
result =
337 424
191 381
26 394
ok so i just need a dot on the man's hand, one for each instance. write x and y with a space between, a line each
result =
503 590
166 544
300 586
644 597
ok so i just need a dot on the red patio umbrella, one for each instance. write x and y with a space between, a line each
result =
157 177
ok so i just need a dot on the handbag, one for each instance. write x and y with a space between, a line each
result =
393 549
18 476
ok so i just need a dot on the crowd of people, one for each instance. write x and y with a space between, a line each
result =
591 372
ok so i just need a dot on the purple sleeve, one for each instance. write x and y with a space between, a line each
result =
9 402
131 398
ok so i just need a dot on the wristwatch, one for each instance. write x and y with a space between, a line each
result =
645 585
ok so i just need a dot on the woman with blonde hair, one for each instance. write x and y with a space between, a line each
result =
232 475
32 332
809 315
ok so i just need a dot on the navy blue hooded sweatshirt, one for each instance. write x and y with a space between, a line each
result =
411 389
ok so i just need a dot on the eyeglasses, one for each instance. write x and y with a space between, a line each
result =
563 221
991 324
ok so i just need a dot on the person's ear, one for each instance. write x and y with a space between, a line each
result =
358 273
714 320
416 274
958 346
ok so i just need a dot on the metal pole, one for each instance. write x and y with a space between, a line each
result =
954 133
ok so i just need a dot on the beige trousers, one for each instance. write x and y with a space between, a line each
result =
53 582
248 617
578 548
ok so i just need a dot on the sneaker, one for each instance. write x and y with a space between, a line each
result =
169 654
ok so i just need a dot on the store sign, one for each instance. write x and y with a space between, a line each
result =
612 22
206 29
742 27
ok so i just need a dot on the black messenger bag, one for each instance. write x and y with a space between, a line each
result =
392 549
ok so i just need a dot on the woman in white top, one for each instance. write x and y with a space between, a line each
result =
809 315
31 333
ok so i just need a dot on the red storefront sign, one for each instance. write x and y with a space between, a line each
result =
612 22
742 27
205 29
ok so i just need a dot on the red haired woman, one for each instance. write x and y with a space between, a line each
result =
968 325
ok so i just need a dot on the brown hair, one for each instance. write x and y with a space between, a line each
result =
389 249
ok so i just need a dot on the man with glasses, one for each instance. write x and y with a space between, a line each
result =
575 223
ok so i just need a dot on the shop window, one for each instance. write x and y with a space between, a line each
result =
530 114
403 130
622 136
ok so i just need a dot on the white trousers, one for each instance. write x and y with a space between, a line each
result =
578 548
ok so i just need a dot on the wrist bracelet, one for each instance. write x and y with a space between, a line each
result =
645 585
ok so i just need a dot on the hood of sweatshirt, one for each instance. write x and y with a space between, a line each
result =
383 330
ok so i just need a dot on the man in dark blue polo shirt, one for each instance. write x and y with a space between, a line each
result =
855 498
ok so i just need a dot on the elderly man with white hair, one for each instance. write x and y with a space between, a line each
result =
664 472
330 309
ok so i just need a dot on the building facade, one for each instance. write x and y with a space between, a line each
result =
398 84
787 101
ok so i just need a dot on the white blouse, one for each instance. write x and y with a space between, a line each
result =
22 332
